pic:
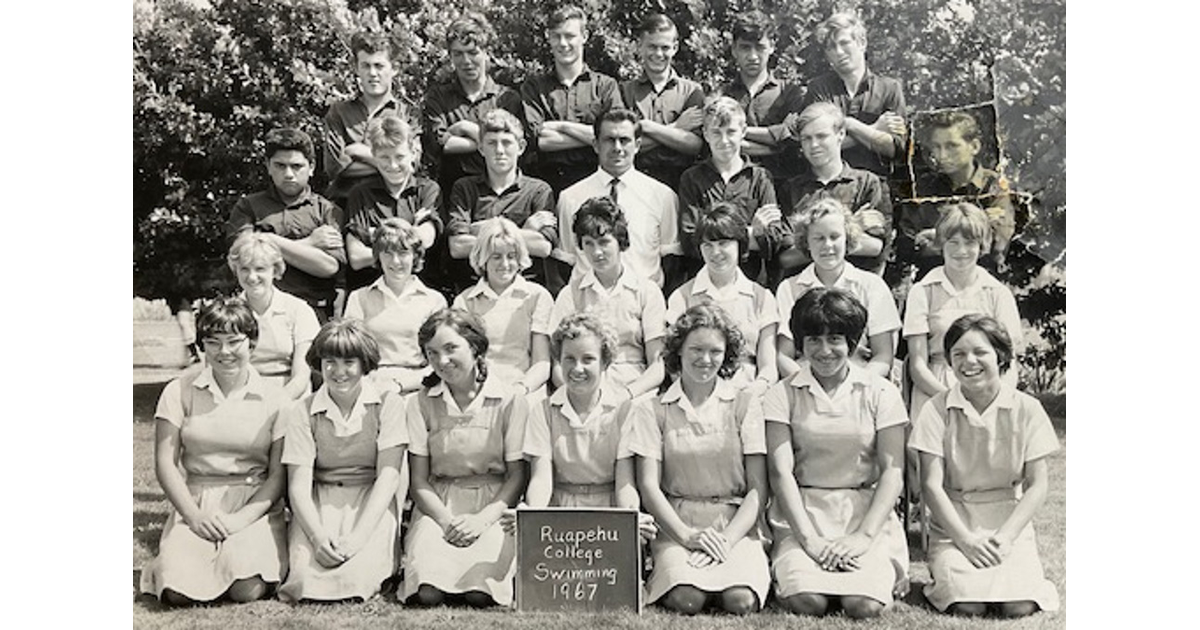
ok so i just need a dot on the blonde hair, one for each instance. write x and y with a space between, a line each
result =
491 233
819 209
251 246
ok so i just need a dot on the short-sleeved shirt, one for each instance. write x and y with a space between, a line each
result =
346 124
933 304
634 307
833 434
750 305
853 187
650 210
749 189
395 319
371 202
478 440
287 323
701 449
545 97
511 319
583 450
339 447
677 95
768 107
446 104
870 289
875 95
264 211
984 451
986 189
224 436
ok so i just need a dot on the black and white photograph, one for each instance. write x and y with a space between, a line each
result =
661 314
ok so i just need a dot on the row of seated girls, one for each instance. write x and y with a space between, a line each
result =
758 434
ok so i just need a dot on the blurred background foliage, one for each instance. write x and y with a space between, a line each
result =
210 77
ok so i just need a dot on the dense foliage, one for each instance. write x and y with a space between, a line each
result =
212 76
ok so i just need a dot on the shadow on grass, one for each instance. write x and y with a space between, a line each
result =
145 399
150 497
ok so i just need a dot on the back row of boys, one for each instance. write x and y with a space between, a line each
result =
653 143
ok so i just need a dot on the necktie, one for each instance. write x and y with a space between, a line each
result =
612 191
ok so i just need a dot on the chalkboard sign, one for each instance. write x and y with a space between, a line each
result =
578 559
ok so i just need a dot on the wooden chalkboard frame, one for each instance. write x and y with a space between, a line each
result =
531 592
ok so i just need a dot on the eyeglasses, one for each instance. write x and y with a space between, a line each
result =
212 344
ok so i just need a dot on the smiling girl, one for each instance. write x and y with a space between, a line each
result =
835 433
218 441
826 230
702 472
983 448
344 448
515 311
466 457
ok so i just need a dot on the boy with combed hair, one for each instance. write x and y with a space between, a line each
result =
304 225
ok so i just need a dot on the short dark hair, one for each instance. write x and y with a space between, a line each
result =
966 124
227 315
752 26
289 139
823 311
599 216
372 42
342 338
618 115
472 29
986 324
704 316
465 324
564 13
655 23
723 220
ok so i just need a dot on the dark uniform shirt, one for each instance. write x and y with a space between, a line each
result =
447 104
346 124
678 94
875 95
768 108
583 101
370 203
853 187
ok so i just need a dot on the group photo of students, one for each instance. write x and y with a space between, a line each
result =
742 313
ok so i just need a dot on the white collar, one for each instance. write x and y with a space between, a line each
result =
344 426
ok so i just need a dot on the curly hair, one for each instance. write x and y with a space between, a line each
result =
817 210
342 338
397 235
468 326
599 216
579 324
704 316
289 139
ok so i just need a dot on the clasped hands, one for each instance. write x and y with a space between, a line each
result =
984 549
839 554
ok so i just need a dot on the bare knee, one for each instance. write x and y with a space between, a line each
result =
248 589
859 607
968 609
807 604
478 599
685 599
175 598
427 595
1018 609
739 600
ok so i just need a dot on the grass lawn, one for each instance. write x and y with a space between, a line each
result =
150 510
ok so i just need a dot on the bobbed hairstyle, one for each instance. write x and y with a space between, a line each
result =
965 123
228 316
289 139
828 30
501 121
723 110
704 316
391 131
618 115
599 216
819 110
995 333
963 219
565 13
494 232
752 26
819 209
580 324
256 246
654 23
723 221
341 338
397 235
372 42
472 29
468 326
824 311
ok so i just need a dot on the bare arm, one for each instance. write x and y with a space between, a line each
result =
883 351
649 478
655 372
784 486
167 448
541 482
765 359
918 366
787 353
672 137
357 254
751 508
1037 486
301 378
304 255
304 511
379 499
539 362
423 494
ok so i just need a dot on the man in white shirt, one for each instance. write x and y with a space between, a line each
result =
649 205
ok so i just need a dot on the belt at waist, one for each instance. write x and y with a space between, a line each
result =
252 479
865 486
470 481
342 478
730 500
585 488
993 495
